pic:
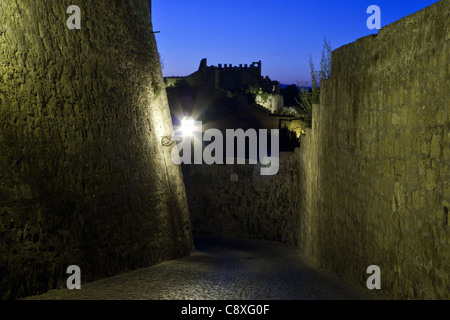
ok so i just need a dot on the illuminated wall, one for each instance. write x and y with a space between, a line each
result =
375 168
84 179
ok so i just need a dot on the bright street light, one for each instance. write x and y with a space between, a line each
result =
187 126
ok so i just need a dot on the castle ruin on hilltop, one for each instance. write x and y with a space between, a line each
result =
235 78
229 77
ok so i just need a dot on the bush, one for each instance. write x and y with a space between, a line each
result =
310 95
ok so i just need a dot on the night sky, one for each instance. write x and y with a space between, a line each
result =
280 33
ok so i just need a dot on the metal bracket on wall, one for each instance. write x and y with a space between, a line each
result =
167 141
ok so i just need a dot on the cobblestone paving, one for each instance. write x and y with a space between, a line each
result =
221 269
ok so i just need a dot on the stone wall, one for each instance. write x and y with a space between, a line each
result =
227 77
376 166
272 102
370 184
235 200
84 179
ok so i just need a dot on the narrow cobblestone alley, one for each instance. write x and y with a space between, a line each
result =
221 269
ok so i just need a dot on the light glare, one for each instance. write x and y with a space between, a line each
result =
187 126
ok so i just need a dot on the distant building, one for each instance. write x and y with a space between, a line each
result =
229 77
235 78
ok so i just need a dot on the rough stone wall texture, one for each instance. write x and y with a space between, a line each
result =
84 179
376 166
235 200
370 184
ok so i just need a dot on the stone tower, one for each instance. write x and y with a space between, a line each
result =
84 178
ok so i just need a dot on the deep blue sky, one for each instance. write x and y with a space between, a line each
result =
280 33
